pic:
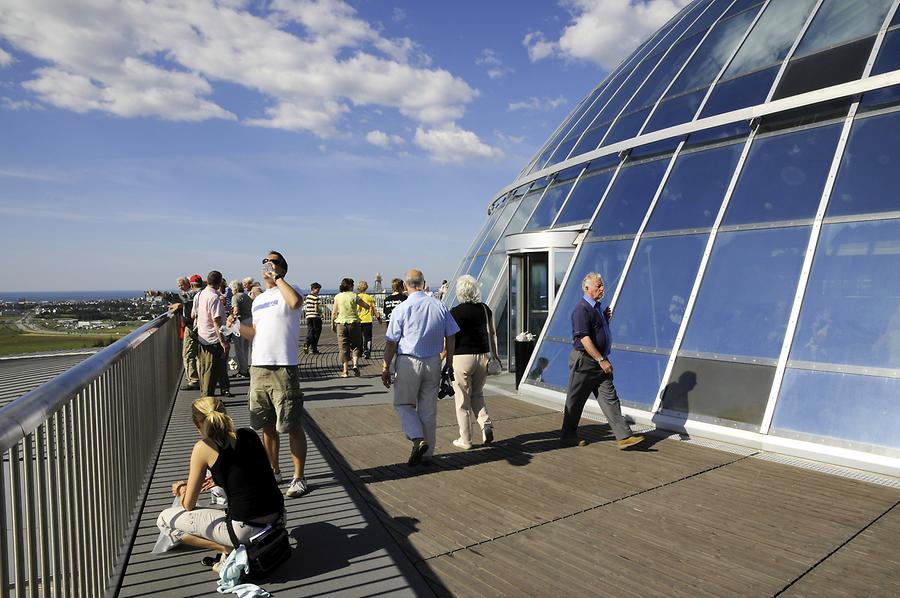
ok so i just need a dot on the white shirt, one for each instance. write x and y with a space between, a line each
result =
277 326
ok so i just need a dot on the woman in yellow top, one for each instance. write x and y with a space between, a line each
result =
365 317
345 322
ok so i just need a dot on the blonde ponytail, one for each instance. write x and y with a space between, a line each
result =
215 424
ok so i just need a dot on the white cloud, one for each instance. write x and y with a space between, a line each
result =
398 15
313 61
509 139
492 63
538 47
452 144
382 139
534 103
10 104
604 31
5 58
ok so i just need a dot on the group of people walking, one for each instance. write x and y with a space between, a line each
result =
427 346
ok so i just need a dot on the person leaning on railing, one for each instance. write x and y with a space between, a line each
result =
239 465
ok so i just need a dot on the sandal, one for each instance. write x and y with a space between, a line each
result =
211 561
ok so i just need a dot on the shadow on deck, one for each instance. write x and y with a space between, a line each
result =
527 517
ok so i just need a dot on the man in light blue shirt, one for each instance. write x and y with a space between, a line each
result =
418 331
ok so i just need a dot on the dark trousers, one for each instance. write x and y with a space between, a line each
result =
209 365
313 332
366 329
586 377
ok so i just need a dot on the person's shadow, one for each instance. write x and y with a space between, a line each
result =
322 547
676 402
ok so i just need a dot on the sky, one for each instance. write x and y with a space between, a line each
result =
146 139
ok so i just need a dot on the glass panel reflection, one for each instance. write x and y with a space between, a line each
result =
740 92
716 49
606 258
707 388
747 293
824 69
550 204
627 126
839 21
628 199
591 139
585 197
868 177
695 188
522 213
675 111
816 404
661 78
851 309
889 54
784 176
638 376
651 306
771 38
551 366
492 268
477 263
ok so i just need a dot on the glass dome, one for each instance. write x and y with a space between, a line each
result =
735 182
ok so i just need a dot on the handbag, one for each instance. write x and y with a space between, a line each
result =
495 366
266 549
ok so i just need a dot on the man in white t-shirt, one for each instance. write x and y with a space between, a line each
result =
275 399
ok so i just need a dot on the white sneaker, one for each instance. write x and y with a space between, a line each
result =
278 477
460 443
298 487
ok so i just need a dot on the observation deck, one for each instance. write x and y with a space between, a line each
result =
523 516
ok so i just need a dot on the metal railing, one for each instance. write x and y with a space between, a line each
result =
78 454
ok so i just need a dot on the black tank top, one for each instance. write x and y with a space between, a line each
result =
245 474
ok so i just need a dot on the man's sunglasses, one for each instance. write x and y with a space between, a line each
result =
273 260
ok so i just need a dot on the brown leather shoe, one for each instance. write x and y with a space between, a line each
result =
630 441
573 441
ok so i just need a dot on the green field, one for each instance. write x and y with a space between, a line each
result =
13 340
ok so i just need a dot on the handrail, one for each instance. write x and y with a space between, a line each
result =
77 456
21 417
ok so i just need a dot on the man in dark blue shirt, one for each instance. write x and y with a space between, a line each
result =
590 368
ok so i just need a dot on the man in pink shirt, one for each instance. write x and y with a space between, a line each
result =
209 314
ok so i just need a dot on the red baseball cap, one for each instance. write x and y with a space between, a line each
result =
196 278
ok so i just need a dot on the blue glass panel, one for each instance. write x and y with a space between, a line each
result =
562 152
638 376
733 130
851 310
771 38
550 204
628 199
716 49
709 17
651 306
896 19
584 199
675 111
784 176
494 234
816 404
492 268
626 127
551 366
477 263
661 78
878 98
618 101
606 258
591 113
655 148
591 139
695 188
747 292
741 92
523 212
870 168
740 6
889 54
839 21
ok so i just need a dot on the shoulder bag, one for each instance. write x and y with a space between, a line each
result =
495 366
266 549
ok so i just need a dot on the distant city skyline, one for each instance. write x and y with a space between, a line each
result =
144 141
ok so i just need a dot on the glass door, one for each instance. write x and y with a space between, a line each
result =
538 291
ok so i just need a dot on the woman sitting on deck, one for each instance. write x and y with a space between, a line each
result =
239 464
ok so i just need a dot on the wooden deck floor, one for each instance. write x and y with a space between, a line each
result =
528 517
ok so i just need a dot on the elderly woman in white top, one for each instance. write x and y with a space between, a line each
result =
476 342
